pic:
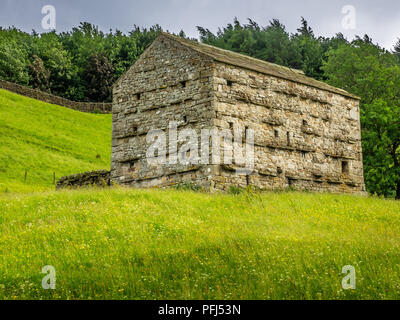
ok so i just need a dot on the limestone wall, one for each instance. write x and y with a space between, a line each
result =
169 83
90 107
305 138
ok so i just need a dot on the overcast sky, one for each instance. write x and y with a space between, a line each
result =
379 19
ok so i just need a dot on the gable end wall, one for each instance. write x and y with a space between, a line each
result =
169 83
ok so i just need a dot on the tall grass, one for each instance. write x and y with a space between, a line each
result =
134 244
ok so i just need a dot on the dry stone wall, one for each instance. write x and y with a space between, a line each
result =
89 107
87 179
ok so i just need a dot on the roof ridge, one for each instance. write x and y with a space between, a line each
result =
254 64
230 52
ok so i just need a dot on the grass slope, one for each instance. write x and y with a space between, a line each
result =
44 138
135 244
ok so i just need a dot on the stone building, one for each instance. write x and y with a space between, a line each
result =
306 133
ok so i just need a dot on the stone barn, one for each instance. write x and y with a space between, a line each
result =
305 134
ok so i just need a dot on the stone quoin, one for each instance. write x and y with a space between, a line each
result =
306 133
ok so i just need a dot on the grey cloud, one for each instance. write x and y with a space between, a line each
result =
379 19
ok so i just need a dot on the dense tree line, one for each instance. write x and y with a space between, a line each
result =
79 65
273 43
83 64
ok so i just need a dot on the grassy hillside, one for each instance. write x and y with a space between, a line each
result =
135 244
43 138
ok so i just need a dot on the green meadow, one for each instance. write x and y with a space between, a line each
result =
138 244
122 243
43 139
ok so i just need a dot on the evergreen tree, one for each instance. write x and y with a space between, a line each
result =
305 30
99 77
396 50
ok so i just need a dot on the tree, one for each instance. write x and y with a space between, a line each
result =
39 75
396 50
99 77
14 56
305 30
277 47
121 51
182 34
310 49
56 60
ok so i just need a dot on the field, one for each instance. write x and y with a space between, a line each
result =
172 244
135 244
44 139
